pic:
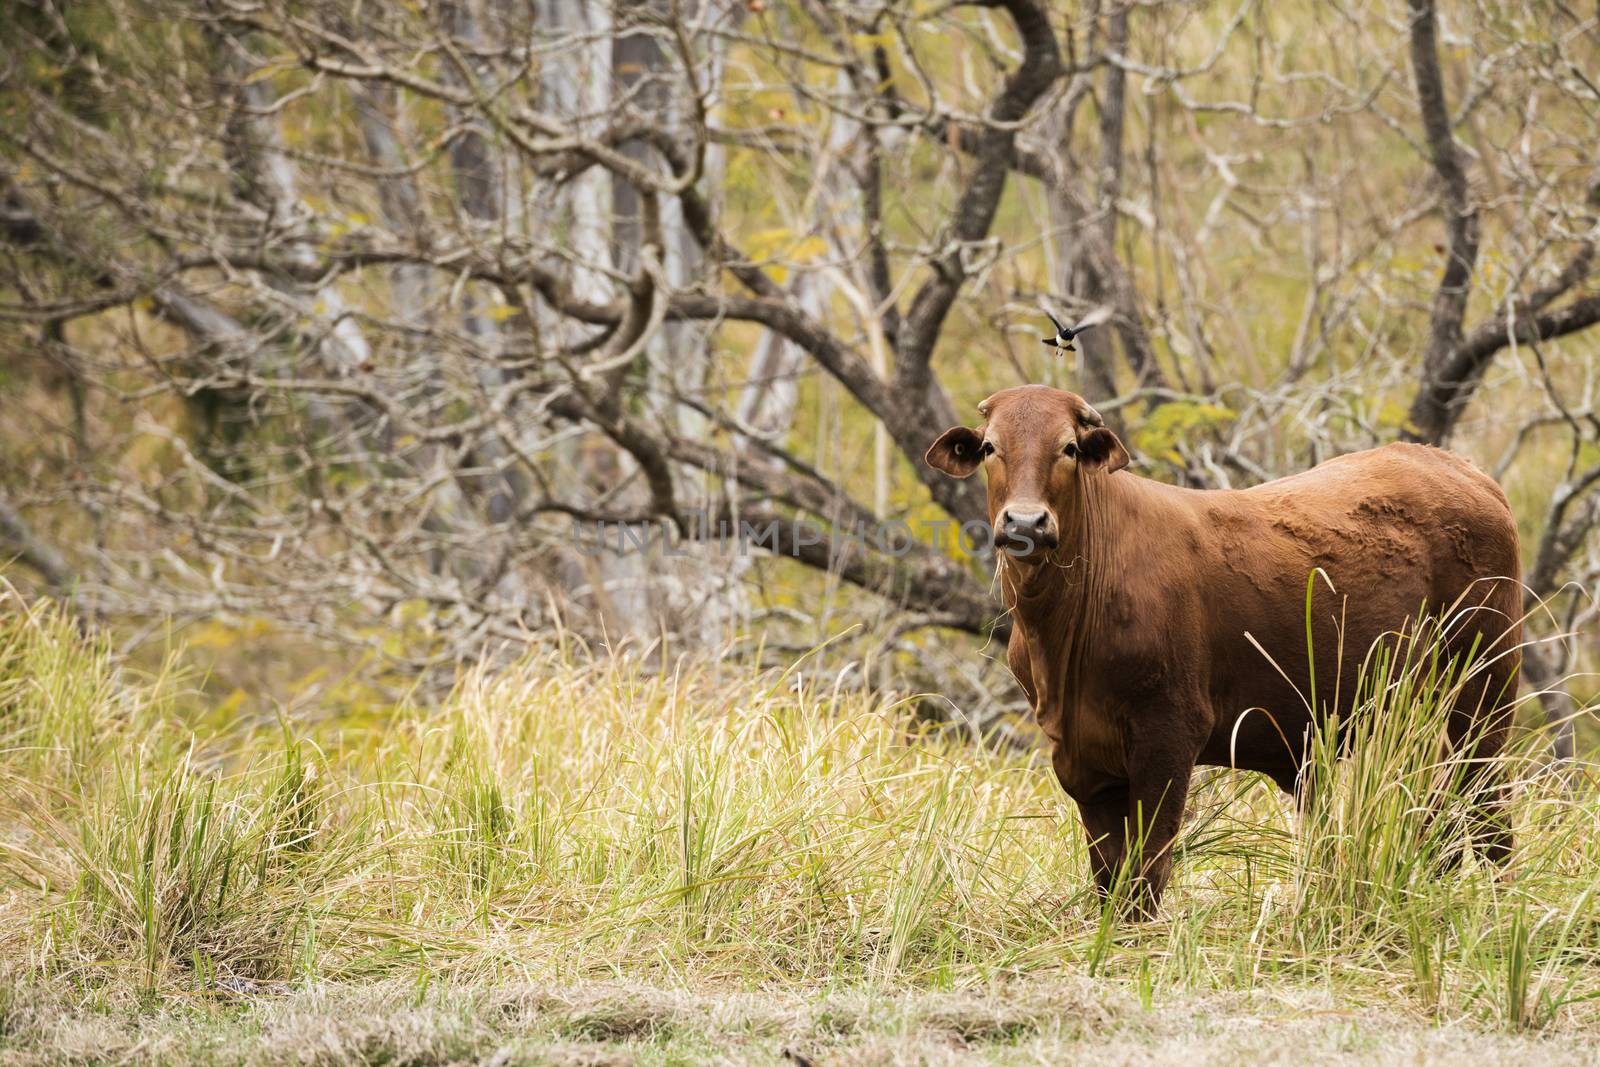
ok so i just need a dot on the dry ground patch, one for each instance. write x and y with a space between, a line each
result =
1030 1022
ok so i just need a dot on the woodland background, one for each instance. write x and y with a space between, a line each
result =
323 324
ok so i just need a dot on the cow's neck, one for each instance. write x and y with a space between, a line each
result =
1056 602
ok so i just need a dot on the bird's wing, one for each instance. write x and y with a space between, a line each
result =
1094 318
1055 322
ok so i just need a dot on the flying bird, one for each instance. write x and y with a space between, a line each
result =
1065 334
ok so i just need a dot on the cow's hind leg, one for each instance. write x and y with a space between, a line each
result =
1477 737
1479 727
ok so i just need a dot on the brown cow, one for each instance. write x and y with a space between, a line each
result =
1131 606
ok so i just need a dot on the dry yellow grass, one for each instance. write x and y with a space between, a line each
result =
578 826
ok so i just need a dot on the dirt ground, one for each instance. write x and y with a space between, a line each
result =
1033 1022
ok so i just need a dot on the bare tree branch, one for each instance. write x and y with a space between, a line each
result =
18 540
1433 411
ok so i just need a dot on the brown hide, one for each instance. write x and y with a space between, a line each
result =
1129 635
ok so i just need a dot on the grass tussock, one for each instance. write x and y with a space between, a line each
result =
580 820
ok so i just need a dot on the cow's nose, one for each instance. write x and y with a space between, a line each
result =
1028 526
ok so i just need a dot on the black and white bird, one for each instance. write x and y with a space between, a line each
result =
1065 334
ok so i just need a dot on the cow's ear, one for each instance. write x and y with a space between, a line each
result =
1099 448
956 452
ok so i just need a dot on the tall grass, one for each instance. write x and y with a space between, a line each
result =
578 818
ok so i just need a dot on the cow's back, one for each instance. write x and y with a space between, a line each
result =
1412 516
1380 535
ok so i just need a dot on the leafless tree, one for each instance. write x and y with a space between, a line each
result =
362 317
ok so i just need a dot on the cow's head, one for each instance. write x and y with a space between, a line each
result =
1035 444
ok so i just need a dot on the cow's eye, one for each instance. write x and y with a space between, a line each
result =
986 450
1071 449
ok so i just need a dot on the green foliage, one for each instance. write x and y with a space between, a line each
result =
1172 423
76 41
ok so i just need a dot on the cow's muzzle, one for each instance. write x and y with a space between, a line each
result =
1024 531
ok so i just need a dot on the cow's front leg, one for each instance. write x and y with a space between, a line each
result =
1158 787
1105 825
